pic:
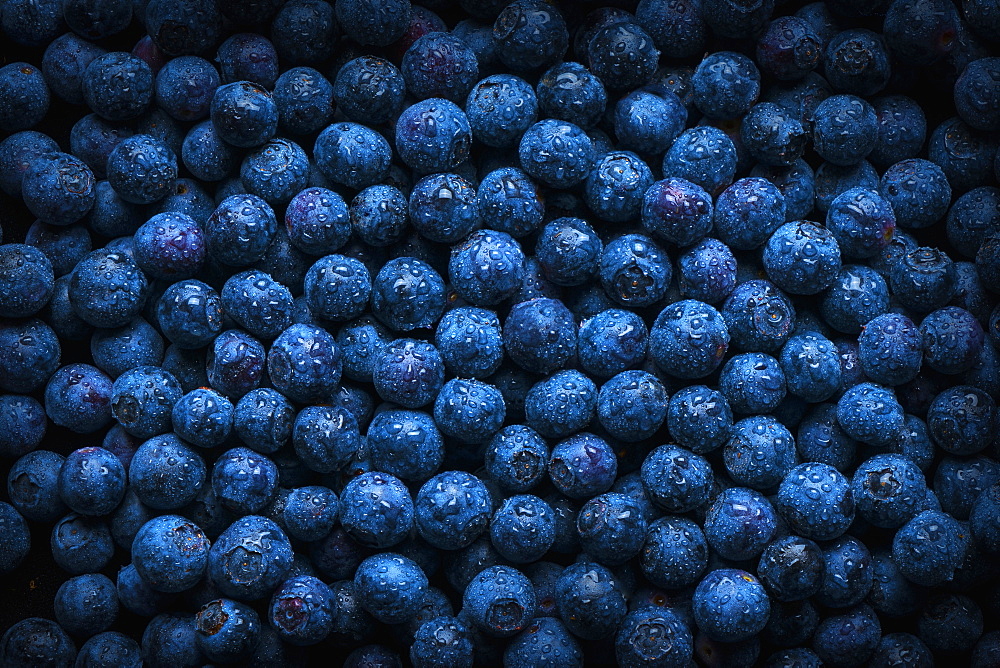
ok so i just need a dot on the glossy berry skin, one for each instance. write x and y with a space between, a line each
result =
811 367
301 610
845 130
510 202
589 600
611 341
248 57
706 271
632 405
634 271
24 424
317 221
545 636
469 411
110 648
203 417
78 397
615 187
310 512
856 296
390 587
373 24
360 342
730 605
185 86
240 230
726 84
699 418
325 438
235 363
891 349
870 413
226 630
142 399
841 638
569 91
376 510
808 507
433 135
170 247
529 35
107 288
304 363
797 184
688 339
962 153
758 316
856 61
369 89
117 86
523 528
35 640
249 559
528 338
408 372
190 314
677 211
17 152
304 98
244 114
516 458
739 523
918 192
748 212
928 548
353 155
848 573
802 258
961 420
759 452
470 341
952 339
791 568
568 250
557 153
439 64
622 55
676 480
653 634
407 294
612 528
378 215
902 129
862 222
561 404
487 267
170 553
582 465
452 510
703 155
923 279
789 48
92 481
674 553
33 486
648 122
832 180
275 171
33 352
58 188
205 154
86 604
64 246
443 207
244 481
165 473
888 490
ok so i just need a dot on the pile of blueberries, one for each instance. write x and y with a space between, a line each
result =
491 332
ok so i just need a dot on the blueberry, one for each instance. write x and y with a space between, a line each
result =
634 271
226 630
408 294
300 610
304 31
235 363
390 587
847 637
530 35
470 341
540 335
748 212
557 153
381 524
78 397
612 341
653 635
953 339
857 296
848 576
816 501
791 568
170 553
205 154
561 404
369 89
433 135
325 437
34 640
33 486
110 648
760 452
753 383
64 246
33 354
244 114
699 418
469 411
352 155
622 55
165 473
632 405
612 528
522 528
249 559
170 636
510 202
676 480
590 600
